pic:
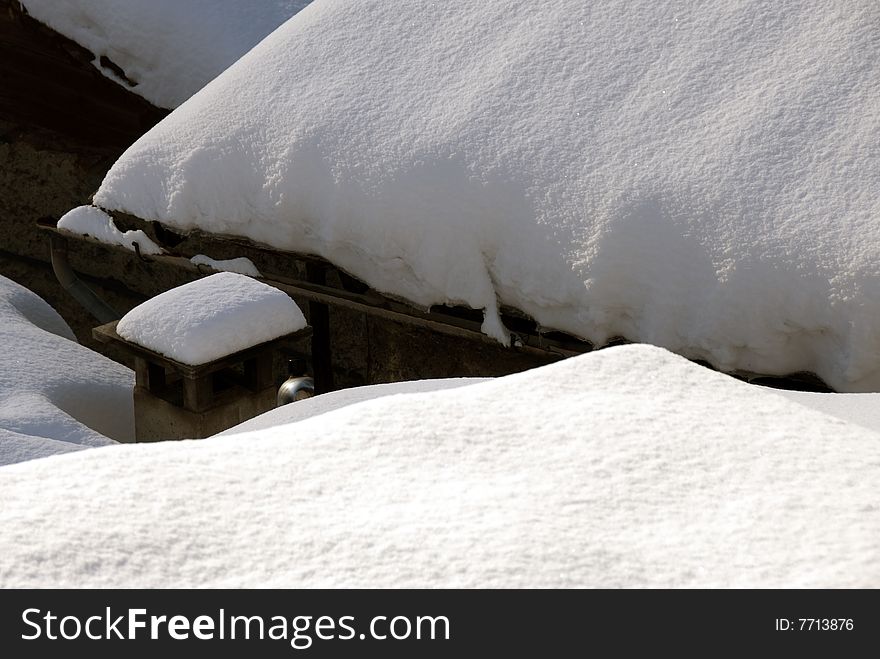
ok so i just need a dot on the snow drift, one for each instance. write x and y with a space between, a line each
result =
169 49
55 395
704 177
625 467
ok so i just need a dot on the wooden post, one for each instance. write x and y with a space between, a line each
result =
319 319
258 372
148 375
198 392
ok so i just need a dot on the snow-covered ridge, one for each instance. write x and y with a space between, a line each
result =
624 467
704 177
55 395
169 48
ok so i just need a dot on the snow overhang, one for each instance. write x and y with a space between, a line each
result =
315 280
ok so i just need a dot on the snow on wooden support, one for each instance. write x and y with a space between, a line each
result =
204 354
173 400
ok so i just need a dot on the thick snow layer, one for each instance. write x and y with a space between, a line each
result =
211 317
625 467
701 176
55 395
241 265
91 221
169 48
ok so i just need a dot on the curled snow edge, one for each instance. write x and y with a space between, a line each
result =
95 223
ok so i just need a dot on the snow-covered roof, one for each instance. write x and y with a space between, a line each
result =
169 49
704 177
624 467
56 396
211 318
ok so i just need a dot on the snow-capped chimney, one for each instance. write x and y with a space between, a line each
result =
204 354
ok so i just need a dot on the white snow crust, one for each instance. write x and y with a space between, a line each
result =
211 317
91 221
56 396
169 48
624 467
700 176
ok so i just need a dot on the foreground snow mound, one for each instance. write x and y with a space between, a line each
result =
211 318
55 395
169 49
701 176
625 467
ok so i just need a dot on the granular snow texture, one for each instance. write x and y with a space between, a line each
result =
700 176
625 467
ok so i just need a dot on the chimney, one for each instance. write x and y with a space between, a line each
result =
204 354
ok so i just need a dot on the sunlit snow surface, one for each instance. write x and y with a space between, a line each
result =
700 176
704 177
55 395
625 467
